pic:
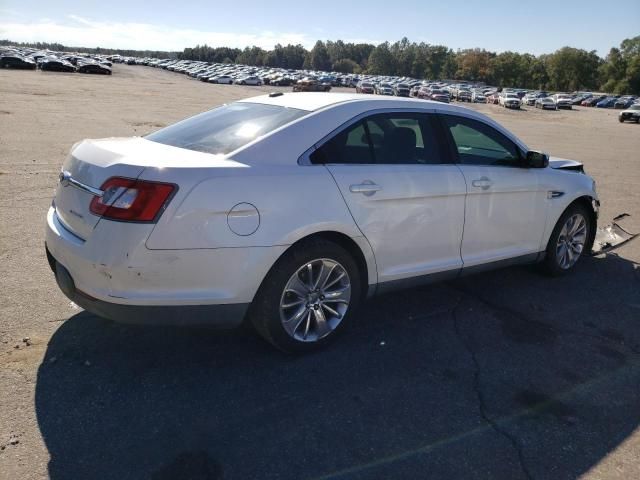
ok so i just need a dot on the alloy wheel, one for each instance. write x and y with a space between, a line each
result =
571 241
315 300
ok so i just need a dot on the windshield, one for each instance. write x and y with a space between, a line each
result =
226 128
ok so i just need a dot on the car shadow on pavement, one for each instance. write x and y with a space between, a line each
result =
508 374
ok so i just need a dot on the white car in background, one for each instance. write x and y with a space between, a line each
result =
478 97
563 100
290 209
546 103
509 100
223 79
250 80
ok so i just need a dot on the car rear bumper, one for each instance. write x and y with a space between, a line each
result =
113 274
220 316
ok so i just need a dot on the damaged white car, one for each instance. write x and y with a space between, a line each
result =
288 210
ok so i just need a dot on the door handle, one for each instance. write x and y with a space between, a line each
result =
367 188
482 182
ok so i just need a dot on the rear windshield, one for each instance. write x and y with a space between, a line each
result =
226 128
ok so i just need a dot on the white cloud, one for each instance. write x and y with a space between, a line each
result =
83 32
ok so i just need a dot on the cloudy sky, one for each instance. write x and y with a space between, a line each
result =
538 27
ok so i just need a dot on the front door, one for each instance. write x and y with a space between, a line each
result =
505 212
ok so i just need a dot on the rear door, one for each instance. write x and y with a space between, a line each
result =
404 194
505 212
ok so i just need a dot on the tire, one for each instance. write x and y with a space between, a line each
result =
556 263
276 305
621 120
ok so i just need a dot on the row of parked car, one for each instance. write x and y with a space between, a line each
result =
31 59
508 98
309 80
230 73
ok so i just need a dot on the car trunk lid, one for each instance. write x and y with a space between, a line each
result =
89 165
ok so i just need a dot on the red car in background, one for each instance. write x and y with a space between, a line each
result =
493 98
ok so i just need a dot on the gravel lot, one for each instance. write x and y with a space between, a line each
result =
507 374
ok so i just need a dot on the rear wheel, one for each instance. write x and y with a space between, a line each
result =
569 241
308 297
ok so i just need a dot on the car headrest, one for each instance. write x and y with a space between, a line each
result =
400 145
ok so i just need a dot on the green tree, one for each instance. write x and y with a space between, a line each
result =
571 69
319 57
474 64
381 61
620 72
346 65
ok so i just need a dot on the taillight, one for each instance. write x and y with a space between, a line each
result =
132 200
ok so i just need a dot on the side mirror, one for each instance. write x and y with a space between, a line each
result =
536 159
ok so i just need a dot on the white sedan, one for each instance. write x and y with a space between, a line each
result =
251 80
222 79
509 100
290 209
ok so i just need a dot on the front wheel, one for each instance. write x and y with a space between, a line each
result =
569 241
308 297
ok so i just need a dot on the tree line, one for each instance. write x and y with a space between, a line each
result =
566 69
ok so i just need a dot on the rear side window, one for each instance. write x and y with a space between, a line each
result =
349 146
384 139
226 128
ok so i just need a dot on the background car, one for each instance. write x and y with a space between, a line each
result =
607 102
54 64
250 80
384 89
509 100
401 90
89 66
630 114
624 102
592 101
563 100
463 95
478 97
546 103
493 98
17 61
222 79
365 87
438 95
310 85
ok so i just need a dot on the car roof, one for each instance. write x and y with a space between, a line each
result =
312 101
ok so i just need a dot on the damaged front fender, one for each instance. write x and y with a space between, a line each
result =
612 236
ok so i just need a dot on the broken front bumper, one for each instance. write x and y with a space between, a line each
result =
612 236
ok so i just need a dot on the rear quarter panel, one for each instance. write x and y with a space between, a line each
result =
292 202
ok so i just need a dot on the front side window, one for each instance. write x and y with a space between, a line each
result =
383 139
480 144
226 128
